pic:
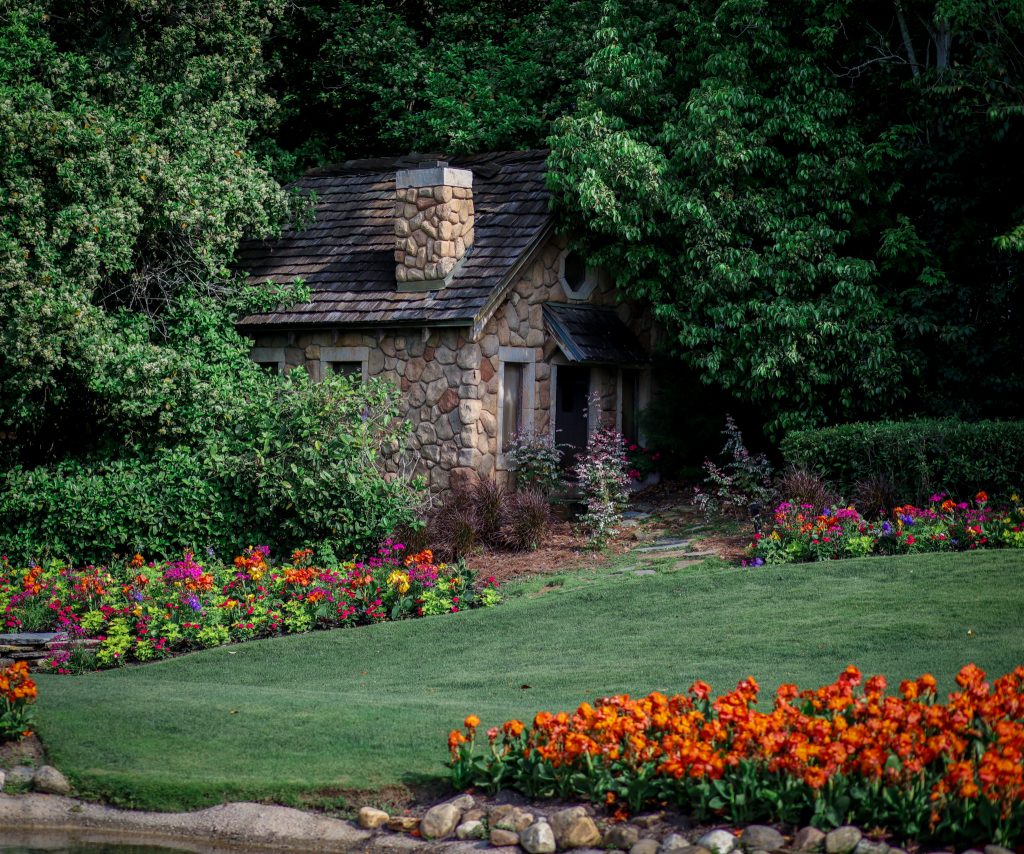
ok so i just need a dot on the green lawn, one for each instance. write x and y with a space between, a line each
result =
368 709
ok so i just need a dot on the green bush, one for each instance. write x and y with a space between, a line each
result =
916 457
296 462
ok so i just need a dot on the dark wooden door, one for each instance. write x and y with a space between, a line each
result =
571 407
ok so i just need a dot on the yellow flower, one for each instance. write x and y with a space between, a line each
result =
399 580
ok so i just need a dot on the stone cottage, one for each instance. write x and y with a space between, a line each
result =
447 278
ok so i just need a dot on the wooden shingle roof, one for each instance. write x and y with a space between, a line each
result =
346 256
592 335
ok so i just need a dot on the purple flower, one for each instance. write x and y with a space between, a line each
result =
193 602
758 561
937 497
886 528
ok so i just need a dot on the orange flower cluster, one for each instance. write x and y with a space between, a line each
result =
17 690
970 748
16 684
302 577
31 581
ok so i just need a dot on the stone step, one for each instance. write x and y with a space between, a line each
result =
30 638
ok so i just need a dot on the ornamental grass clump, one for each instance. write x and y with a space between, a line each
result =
141 611
805 532
909 764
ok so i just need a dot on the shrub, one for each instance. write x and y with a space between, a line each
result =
918 457
603 481
302 462
17 691
526 520
909 764
742 480
802 486
536 461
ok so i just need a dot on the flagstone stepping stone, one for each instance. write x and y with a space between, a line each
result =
645 572
663 545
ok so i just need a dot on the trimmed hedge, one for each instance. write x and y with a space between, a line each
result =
918 457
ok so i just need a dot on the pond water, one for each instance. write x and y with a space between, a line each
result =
49 844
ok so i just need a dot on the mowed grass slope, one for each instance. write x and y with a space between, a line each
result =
370 708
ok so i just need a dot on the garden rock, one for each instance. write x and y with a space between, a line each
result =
645 846
808 839
623 836
471 830
517 820
573 828
538 838
440 821
50 781
371 818
403 823
475 814
718 841
648 821
463 802
869 846
20 775
3 779
997 849
673 842
764 838
842 840
500 838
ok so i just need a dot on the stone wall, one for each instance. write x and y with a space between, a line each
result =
449 382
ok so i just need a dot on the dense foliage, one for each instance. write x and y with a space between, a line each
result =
134 611
909 764
820 201
294 460
915 458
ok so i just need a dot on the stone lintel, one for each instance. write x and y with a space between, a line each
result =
437 176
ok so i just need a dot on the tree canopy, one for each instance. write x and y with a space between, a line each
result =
821 201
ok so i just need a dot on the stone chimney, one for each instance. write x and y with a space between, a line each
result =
433 224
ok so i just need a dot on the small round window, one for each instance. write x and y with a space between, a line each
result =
577 278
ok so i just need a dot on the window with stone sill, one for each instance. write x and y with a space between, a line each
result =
271 359
348 361
516 381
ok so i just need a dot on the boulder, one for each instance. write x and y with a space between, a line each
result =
718 841
621 836
763 838
372 818
869 846
538 838
842 840
403 823
645 846
50 781
672 843
808 839
471 830
440 821
500 838
997 849
573 828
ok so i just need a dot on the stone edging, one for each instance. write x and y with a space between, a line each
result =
502 828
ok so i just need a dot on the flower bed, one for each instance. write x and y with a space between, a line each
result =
829 756
140 611
801 533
